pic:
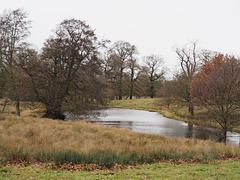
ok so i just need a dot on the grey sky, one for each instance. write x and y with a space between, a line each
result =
154 26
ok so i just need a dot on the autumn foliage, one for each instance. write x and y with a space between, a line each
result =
217 87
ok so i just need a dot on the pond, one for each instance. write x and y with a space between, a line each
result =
153 122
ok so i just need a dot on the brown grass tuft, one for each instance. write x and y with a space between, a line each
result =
37 134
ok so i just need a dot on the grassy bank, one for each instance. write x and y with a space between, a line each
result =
177 110
45 140
216 170
53 149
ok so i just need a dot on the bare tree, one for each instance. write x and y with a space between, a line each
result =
121 52
135 71
111 68
141 85
189 58
14 29
155 72
166 92
3 90
217 87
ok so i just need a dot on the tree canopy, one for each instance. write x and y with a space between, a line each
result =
67 73
217 87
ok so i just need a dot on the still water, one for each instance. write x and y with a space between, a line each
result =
153 122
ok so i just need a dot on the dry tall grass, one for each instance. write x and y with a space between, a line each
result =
36 135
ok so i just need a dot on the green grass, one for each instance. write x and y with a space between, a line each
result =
102 159
215 170
139 104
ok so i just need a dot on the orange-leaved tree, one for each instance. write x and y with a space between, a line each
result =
217 87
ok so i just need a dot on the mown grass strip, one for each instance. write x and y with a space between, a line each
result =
215 170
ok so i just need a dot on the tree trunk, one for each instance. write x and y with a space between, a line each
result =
191 108
131 90
132 82
151 90
14 86
54 112
4 105
120 85
18 106
54 115
120 94
224 131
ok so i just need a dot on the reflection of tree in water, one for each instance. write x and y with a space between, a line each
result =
88 115
203 133
118 124
127 124
189 132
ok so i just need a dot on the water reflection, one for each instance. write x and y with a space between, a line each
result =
152 122
203 133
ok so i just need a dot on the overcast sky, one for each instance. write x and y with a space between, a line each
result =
154 26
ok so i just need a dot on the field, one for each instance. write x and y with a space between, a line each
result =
216 170
32 147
